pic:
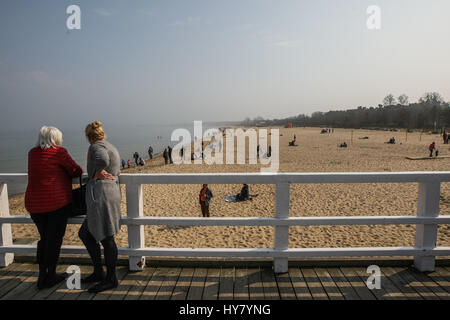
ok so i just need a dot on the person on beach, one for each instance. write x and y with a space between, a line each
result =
150 152
244 194
204 200
431 148
166 156
48 199
169 150
136 158
129 163
123 164
103 198
141 162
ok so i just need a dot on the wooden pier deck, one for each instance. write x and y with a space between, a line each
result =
17 281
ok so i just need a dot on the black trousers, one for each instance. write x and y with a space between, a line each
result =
51 227
93 247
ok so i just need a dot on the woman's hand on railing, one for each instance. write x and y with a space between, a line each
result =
103 175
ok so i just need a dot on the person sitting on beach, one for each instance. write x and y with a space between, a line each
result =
391 141
343 145
431 148
141 162
48 199
204 200
244 194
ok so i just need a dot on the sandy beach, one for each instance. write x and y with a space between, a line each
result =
315 153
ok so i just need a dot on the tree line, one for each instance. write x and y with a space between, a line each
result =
431 112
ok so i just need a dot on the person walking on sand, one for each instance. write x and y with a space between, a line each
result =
48 199
150 152
123 164
166 156
431 148
204 200
103 199
129 163
169 150
136 158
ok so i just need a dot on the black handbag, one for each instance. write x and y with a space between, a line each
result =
79 200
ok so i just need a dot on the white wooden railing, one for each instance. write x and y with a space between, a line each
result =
427 219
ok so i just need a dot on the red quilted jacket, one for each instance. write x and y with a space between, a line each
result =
50 173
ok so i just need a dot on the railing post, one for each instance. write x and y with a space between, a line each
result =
5 228
136 238
281 232
426 234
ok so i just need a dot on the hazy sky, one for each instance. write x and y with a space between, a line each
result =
175 61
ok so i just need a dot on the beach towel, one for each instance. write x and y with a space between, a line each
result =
232 198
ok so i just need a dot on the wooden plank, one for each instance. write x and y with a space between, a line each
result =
430 284
130 280
299 284
403 285
183 283
358 284
328 284
105 295
8 277
226 284
255 285
314 284
392 291
241 284
412 282
140 281
344 286
26 286
170 280
269 284
211 290
197 284
442 277
285 286
153 285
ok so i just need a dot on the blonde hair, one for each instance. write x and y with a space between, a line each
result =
49 137
94 131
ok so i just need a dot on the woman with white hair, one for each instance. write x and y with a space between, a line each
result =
48 199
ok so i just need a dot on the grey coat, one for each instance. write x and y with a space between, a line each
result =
103 196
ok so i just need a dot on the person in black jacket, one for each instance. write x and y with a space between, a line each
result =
244 194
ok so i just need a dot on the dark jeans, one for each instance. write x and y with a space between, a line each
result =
93 247
205 209
51 227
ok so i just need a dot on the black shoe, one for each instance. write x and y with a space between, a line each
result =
103 286
42 279
54 280
94 277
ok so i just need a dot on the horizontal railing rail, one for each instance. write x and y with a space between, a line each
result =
427 219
